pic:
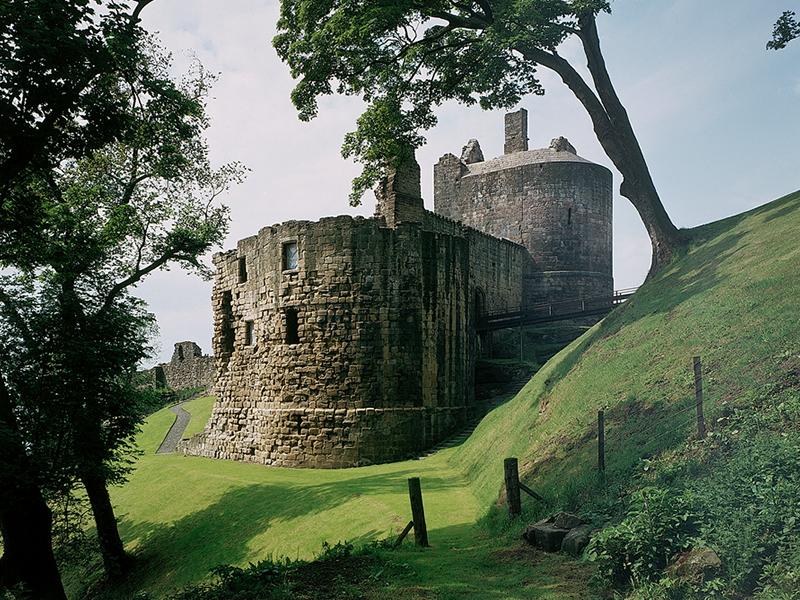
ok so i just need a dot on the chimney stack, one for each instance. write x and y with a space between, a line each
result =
516 131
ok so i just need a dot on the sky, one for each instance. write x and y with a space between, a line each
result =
716 114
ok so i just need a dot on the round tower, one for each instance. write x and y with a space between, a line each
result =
555 203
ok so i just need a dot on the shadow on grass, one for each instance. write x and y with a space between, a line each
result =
465 562
170 555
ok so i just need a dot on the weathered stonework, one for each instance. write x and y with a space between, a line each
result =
362 349
555 203
188 368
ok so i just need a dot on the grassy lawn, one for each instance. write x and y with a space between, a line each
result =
182 516
732 299
200 409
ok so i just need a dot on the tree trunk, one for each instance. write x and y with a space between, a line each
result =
615 134
637 184
115 561
25 518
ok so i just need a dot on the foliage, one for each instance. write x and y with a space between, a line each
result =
333 574
60 65
745 479
109 219
787 28
405 58
658 524
750 490
80 228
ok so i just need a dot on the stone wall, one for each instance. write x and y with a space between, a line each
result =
188 368
383 363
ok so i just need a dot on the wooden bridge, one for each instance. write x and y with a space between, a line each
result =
563 310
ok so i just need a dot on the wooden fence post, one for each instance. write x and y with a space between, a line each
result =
510 468
417 512
698 397
601 440
403 534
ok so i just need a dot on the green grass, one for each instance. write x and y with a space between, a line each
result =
732 298
200 409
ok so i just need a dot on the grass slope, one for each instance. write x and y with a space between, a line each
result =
200 409
731 299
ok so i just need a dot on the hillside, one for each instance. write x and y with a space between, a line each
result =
731 299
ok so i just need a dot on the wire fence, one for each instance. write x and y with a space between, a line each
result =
669 421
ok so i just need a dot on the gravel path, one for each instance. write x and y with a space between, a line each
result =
175 432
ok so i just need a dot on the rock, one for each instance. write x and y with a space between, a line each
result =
695 564
549 538
529 536
565 520
545 535
576 540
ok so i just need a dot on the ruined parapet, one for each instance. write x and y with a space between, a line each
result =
188 368
561 144
516 138
472 153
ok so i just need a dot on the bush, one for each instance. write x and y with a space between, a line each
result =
334 574
658 524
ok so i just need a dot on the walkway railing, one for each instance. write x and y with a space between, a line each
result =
551 312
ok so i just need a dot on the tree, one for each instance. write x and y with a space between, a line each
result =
88 211
59 62
787 28
406 57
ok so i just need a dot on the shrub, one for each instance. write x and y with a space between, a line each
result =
658 524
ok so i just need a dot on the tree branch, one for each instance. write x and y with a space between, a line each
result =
487 9
475 22
576 83
140 6
637 180
136 276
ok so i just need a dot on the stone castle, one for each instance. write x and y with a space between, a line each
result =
352 340
188 368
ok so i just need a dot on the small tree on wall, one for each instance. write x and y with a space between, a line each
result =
407 57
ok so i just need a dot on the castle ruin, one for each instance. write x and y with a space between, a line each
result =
352 340
188 368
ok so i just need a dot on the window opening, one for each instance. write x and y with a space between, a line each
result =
290 256
228 333
292 330
242 269
569 216
249 337
180 352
